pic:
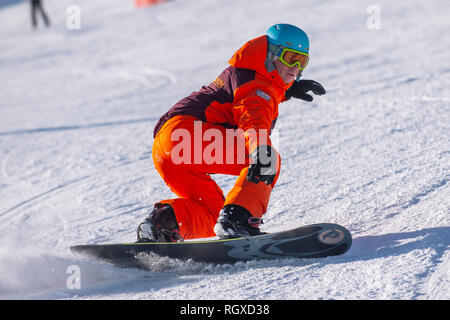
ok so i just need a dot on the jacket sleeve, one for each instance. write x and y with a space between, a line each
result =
254 110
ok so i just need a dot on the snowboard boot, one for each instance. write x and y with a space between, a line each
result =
160 226
235 222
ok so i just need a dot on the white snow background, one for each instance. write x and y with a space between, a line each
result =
78 107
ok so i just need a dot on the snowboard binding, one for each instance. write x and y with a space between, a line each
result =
160 226
235 222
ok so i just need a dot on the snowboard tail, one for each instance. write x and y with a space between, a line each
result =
312 241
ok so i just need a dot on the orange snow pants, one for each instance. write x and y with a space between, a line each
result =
186 151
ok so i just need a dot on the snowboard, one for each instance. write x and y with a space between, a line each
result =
311 241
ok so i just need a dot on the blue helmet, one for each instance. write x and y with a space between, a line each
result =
288 35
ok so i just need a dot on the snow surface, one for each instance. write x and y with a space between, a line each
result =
78 107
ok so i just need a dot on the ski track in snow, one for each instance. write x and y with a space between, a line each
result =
76 120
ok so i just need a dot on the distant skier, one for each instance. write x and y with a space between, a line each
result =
36 6
241 104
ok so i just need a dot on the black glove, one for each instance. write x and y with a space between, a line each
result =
300 88
263 166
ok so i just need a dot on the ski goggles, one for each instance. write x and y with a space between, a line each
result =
290 57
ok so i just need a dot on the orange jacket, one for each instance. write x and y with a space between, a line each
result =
244 96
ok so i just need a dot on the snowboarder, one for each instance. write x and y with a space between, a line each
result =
36 5
240 105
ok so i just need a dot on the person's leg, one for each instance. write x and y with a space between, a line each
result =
185 152
43 14
33 14
252 196
244 207
200 198
199 203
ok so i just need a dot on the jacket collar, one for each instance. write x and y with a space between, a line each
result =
252 55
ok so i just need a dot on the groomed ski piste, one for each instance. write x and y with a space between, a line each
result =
78 107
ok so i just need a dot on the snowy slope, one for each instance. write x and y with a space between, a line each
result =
77 110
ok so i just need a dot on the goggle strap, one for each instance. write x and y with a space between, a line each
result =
275 50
